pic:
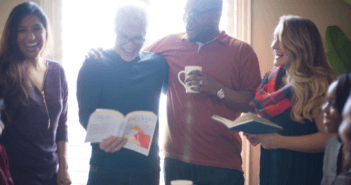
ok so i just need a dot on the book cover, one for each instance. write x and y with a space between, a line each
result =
249 123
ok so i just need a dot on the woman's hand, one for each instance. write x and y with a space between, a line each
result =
252 139
63 176
113 144
269 141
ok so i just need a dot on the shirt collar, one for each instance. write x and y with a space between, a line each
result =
221 38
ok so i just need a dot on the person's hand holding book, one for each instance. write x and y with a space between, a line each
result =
252 138
113 144
268 141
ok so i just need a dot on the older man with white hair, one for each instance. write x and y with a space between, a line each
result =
126 80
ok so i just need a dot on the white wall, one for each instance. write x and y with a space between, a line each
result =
265 17
5 9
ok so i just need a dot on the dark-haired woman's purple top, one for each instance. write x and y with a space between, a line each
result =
30 145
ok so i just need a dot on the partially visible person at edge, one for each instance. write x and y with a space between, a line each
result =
291 95
196 147
335 153
344 132
126 80
34 91
5 176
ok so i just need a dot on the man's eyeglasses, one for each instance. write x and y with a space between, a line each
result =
195 13
122 38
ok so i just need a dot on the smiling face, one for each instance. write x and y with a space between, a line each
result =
331 116
31 37
130 39
201 20
281 58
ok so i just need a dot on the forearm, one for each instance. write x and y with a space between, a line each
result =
312 143
61 150
84 114
89 87
238 100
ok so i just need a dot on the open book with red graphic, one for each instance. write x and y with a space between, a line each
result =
137 126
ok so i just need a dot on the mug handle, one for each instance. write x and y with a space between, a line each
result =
180 80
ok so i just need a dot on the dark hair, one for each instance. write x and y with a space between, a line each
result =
343 90
346 110
15 84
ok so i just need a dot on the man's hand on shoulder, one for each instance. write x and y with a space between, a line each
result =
94 53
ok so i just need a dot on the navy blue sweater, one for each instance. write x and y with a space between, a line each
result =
112 83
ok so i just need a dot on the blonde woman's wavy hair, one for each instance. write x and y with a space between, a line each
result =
310 73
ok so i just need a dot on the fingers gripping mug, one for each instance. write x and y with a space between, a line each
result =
186 71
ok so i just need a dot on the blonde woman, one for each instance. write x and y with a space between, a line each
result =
291 95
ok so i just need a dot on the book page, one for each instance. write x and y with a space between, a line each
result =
248 117
104 123
250 124
244 118
140 130
228 123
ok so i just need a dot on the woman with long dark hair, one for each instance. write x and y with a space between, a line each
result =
34 91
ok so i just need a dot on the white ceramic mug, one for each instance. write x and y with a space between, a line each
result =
186 71
181 182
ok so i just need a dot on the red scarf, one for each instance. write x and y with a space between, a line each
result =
270 101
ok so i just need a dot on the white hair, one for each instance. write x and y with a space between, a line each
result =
134 13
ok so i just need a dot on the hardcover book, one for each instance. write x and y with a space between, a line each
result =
249 123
